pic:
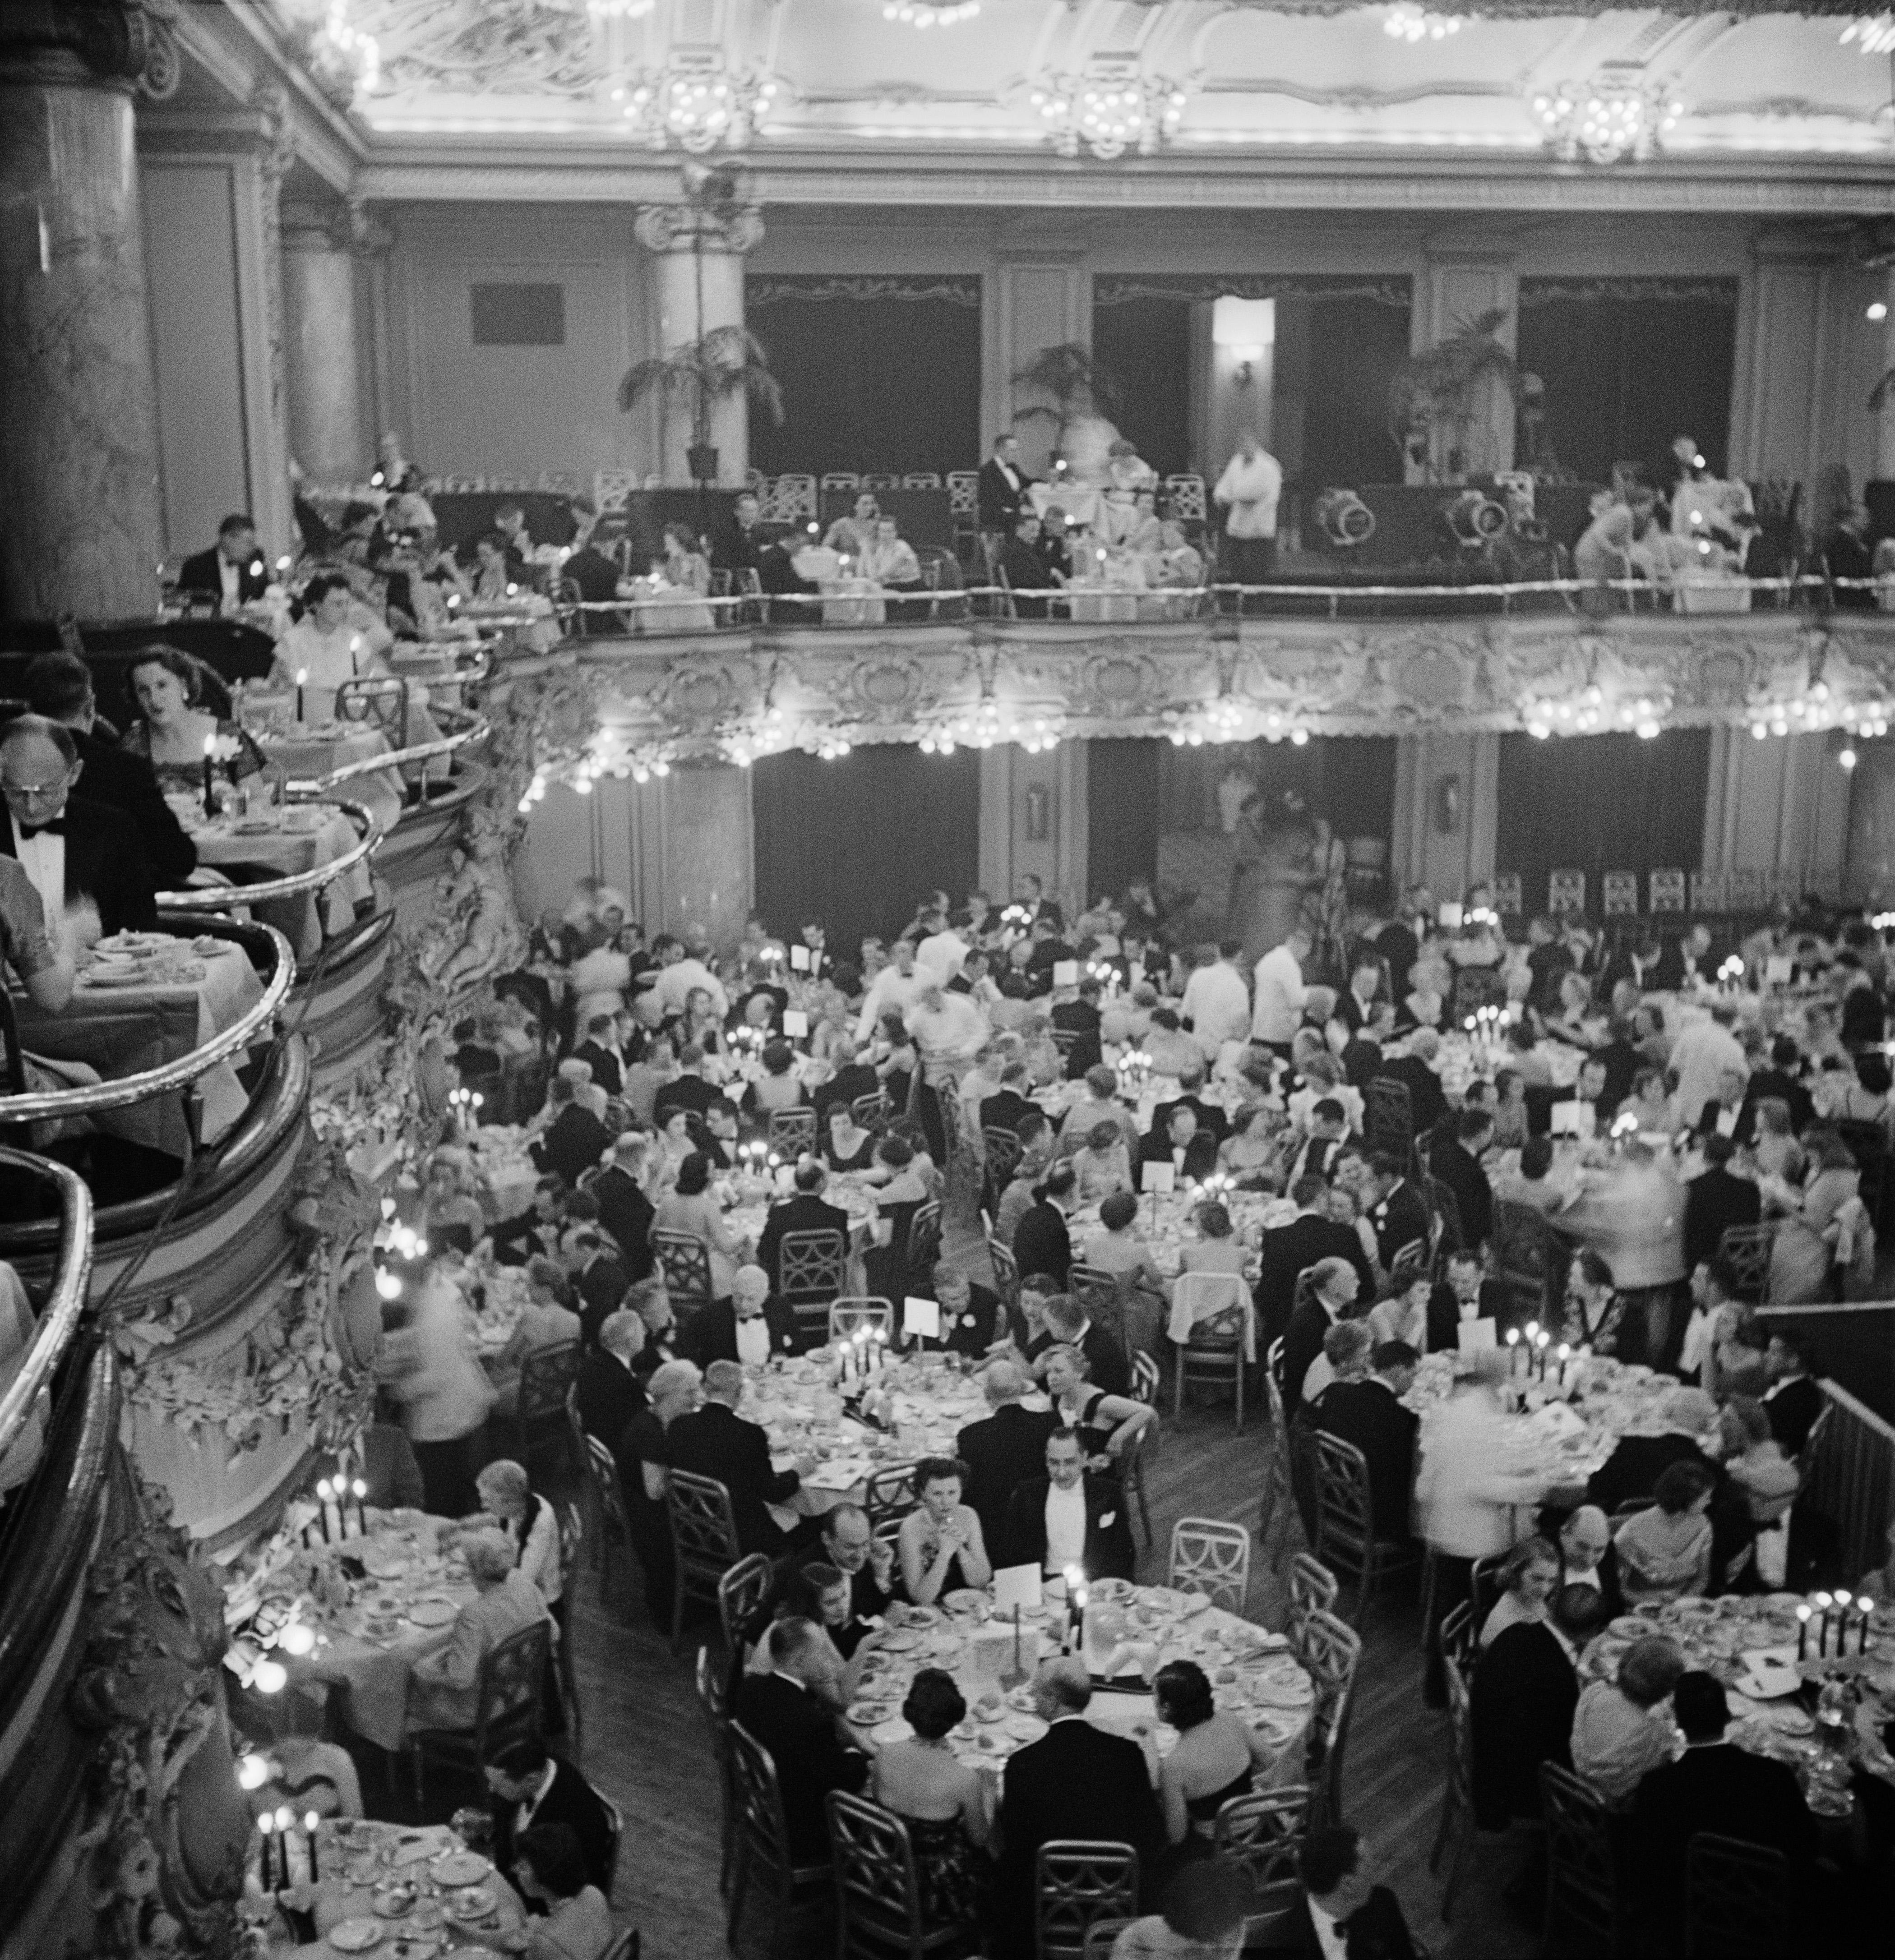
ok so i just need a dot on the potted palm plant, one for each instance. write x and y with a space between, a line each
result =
1435 398
1080 388
725 363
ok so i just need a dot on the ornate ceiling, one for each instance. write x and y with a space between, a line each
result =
1108 83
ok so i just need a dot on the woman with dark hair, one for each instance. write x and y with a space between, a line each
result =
947 1806
492 578
776 1088
1216 1756
848 1146
683 566
1809 1235
335 640
940 1544
1529 1578
894 1059
549 1866
1665 1553
690 1206
173 725
1106 1424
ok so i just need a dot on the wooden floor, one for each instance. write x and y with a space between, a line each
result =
644 1743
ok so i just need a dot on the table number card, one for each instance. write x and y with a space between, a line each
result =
799 958
920 1316
1065 972
1667 891
1016 1585
795 1022
1779 970
1476 1336
1159 1177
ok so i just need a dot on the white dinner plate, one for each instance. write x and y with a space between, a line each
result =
431 1613
355 1936
894 1731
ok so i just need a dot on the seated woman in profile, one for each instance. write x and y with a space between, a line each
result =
1179 563
492 578
1216 1757
549 1868
947 1806
1665 1553
173 727
683 566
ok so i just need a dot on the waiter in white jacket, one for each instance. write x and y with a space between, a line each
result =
1249 489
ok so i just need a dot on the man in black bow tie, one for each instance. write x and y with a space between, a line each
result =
76 854
1351 1917
232 572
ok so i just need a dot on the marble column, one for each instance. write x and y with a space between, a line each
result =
1885 418
78 423
695 283
328 436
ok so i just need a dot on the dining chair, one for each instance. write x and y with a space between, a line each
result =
1346 1537
1312 1584
869 1111
794 1894
1389 1117
1077 1881
890 1493
1459 1636
1737 1901
1263 1834
1212 1358
1583 1912
571 1711
812 1269
1748 1248
1277 1496
740 1593
924 1237
685 1260
1456 1821
1211 1556
547 1376
1006 1269
704 1541
1329 1653
1132 1464
608 1496
792 1132
713 1695
849 1315
1522 1253
878 1904
509 1692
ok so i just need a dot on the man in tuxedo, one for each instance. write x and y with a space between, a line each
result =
970 1315
1456 1161
528 1785
73 852
1631 1471
1077 1781
1190 1151
608 1392
1030 892
1069 1326
1794 1399
1638 961
232 572
735 546
751 1326
1004 1108
1069 1517
59 687
1362 1056
1714 1787
574 1140
1333 1288
687 1089
808 1211
1210 1116
1715 1200
780 1710
1350 1917
598 1054
715 1441
1080 1018
597 1273
853 1078
1370 1415
1327 1139
1524 1694
1288 1251
1467 1293
1416 1073
624 1210
1397 944
1683 962
1025 570
1001 492
1399 1214
1782 1079
1004 1449
535 1232
1041 1242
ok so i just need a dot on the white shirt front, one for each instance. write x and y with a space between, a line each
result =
42 858
1329 1935
229 578
1217 1003
753 1341
525 1813
1280 996
1066 1526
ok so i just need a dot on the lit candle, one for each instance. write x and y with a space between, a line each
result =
1861 1639
1512 1348
310 1821
286 1816
322 1508
210 790
1823 1626
302 675
265 1831
361 1491
1803 1633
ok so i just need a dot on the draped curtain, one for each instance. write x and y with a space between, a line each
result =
1145 346
857 841
878 374
1599 803
1122 810
1628 364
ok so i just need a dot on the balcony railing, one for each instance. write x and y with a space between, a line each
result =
72 1271
1850 1478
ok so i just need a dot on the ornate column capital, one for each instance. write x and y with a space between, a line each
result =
123 41
681 227
346 225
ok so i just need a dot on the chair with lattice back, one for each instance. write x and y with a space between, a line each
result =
1212 1356
849 1316
1388 1116
1185 496
1078 1881
1329 1653
924 1237
878 1901
547 1376
1737 1901
1263 1834
509 1692
792 1133
608 1496
890 1493
1583 1911
704 1541
1276 1487
375 700
1748 1248
1346 1540
713 1698
1408 1265
1458 1635
796 1895
870 1110
812 1269
1131 1474
1521 1249
1002 1150
685 1261
1211 1556
1449 1234
1006 1270
740 1593
1312 1586
1457 1817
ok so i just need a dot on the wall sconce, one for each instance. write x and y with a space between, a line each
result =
1448 805
1038 814
1244 376
1246 328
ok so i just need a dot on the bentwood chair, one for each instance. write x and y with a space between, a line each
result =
1737 1901
1006 1275
1407 1266
1459 1637
1346 1539
713 1694
1211 1556
1583 1913
924 1237
795 1896
1456 1818
1264 1834
869 1111
812 1269
1329 1653
1078 1881
1131 1457
704 1542
1212 1358
509 1692
878 1914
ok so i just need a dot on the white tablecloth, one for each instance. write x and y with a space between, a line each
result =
286 841
306 754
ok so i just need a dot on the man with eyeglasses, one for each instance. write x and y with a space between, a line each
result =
84 859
